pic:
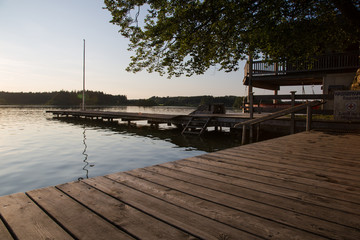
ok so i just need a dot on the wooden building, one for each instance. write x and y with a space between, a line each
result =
332 71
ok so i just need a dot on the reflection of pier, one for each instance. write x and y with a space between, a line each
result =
303 186
85 156
212 141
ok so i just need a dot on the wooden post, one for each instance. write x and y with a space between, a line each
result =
308 117
257 132
250 88
250 93
275 101
243 137
251 105
251 116
292 123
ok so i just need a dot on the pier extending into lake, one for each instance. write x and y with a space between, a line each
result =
281 124
301 186
223 120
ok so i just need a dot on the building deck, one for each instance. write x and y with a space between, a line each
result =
302 186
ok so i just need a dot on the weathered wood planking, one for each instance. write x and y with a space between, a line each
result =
303 186
121 214
200 226
27 220
4 233
77 219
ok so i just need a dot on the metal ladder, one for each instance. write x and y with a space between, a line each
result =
196 125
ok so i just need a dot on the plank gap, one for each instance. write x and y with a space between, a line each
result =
8 228
139 209
51 217
101 216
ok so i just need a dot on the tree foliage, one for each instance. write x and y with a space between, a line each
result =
194 101
177 37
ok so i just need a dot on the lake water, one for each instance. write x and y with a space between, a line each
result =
37 150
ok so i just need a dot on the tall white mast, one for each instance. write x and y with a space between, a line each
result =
83 97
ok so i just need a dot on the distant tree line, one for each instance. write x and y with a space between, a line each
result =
74 98
61 98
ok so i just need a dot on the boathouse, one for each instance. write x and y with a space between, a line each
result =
333 72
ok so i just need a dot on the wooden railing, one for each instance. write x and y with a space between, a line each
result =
249 123
329 62
262 103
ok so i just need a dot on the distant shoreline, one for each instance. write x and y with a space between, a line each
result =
100 99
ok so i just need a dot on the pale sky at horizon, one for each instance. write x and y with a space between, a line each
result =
41 49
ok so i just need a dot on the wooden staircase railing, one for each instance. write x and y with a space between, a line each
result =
251 122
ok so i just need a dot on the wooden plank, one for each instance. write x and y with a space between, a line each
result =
314 144
188 221
296 159
306 223
291 175
27 220
331 151
314 194
4 233
126 217
330 174
77 219
265 193
328 147
299 160
259 226
305 193
293 161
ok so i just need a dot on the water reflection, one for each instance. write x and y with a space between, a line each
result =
209 142
85 156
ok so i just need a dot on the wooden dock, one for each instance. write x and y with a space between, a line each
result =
302 186
223 120
282 124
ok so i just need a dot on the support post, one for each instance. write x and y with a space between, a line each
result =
275 101
292 123
251 105
308 118
250 88
251 134
243 137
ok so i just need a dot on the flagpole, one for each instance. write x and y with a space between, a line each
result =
83 97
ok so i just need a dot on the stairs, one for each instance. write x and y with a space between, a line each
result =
196 125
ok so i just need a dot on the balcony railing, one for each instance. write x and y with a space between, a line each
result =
325 63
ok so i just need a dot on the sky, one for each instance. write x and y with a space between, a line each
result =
41 50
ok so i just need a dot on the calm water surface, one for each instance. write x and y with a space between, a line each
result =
37 150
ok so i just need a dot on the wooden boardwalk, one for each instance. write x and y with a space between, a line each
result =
303 186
